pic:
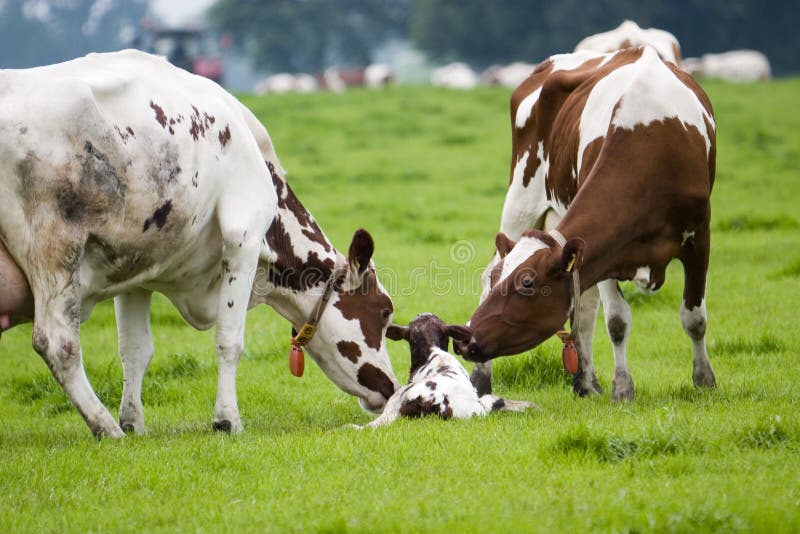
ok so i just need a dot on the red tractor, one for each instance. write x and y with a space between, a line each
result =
188 48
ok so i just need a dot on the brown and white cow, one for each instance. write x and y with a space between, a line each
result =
121 175
628 35
614 154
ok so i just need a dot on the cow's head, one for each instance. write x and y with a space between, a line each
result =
528 298
349 344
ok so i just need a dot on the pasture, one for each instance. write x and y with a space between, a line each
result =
425 171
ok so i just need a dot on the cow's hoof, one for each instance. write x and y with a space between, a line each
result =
704 379
584 388
128 428
228 426
622 387
222 426
114 433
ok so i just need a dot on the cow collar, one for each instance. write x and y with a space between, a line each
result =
569 354
309 328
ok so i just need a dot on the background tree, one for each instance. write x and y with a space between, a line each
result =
482 33
39 32
309 35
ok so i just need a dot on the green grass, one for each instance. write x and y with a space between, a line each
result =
425 171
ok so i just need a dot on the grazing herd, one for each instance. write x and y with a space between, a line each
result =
734 66
143 178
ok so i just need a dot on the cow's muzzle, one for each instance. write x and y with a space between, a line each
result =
471 350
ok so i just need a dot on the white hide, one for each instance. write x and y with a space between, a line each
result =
646 91
524 249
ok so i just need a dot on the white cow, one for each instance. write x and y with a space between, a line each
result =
285 82
454 76
378 75
629 35
733 66
438 384
121 175
510 75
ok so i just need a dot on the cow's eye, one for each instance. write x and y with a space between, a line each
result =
526 286
527 283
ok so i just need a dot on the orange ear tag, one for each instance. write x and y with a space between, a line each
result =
296 360
569 357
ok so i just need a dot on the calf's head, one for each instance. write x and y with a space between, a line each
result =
425 332
349 343
528 299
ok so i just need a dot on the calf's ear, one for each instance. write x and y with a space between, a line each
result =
361 249
503 243
396 332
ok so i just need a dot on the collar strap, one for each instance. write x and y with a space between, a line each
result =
559 237
307 331
576 290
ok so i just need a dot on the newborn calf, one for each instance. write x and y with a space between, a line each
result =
438 384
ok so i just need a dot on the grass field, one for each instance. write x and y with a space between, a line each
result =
425 171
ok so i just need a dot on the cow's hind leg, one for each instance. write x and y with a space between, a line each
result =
585 381
135 351
56 337
694 256
618 323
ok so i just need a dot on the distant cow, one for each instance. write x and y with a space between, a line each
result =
438 384
733 66
628 35
454 76
286 83
338 80
507 75
123 175
614 154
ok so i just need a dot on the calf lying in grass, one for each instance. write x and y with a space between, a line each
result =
438 384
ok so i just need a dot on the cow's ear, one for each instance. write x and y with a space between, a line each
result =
503 243
361 249
572 255
396 332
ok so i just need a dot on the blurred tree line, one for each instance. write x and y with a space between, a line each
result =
40 32
307 35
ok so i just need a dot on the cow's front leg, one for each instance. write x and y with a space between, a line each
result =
239 262
618 323
56 337
481 378
585 381
135 351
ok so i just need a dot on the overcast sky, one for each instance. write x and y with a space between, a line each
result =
174 12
